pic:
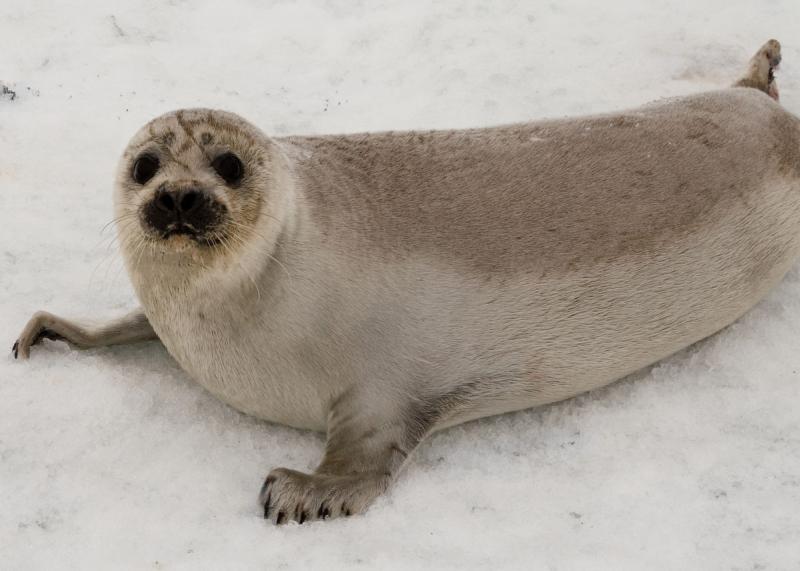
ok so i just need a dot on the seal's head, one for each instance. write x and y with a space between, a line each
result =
195 186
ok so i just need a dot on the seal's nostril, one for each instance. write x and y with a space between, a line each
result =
182 211
189 200
165 202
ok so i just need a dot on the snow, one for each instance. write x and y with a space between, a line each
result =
113 458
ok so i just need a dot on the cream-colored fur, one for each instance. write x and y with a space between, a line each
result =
383 286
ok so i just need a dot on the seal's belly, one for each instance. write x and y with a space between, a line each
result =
250 376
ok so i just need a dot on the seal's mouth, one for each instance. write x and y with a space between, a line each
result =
185 229
180 229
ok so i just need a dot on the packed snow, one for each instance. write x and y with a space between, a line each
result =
114 459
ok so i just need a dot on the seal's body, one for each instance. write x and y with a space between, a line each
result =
498 268
383 286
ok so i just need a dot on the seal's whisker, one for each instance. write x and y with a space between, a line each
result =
254 232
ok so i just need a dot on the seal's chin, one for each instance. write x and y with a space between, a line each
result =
178 243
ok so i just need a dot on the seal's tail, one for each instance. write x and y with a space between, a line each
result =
760 72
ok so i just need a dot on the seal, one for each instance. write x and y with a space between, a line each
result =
383 286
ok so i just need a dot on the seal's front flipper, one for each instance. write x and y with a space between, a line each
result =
760 72
368 442
43 325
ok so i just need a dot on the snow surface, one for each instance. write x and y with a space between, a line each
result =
114 458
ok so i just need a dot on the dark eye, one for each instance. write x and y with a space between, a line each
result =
229 167
145 168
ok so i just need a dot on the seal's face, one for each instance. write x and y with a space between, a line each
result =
192 183
185 208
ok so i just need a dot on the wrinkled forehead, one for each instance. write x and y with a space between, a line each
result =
192 130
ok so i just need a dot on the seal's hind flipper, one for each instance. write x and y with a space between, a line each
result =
760 72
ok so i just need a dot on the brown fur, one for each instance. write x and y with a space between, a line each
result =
545 184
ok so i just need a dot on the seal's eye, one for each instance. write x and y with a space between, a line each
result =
145 168
229 167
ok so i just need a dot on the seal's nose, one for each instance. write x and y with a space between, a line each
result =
178 202
181 211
